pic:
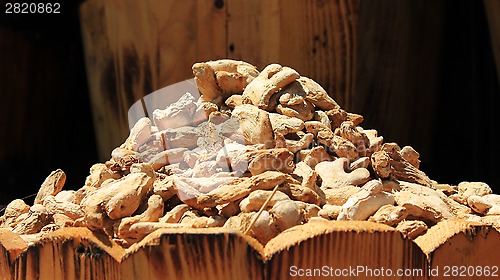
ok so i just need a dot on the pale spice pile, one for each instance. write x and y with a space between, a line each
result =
259 152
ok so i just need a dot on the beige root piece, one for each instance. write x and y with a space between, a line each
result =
286 214
422 202
273 78
374 140
339 145
61 220
167 157
205 185
234 100
177 114
233 155
334 174
285 125
362 162
52 185
204 222
255 200
466 189
116 200
486 205
309 178
141 229
139 134
297 145
236 190
99 173
143 167
221 78
270 160
297 191
229 209
308 210
123 159
263 228
13 210
389 215
410 155
255 125
153 212
322 117
317 95
338 116
339 196
412 229
348 131
164 188
366 202
36 219
175 215
316 155
71 210
240 222
315 127
66 196
330 212
303 110
388 162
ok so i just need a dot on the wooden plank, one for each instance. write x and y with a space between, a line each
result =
397 66
136 47
317 38
342 245
492 8
73 253
211 253
456 243
11 246
217 253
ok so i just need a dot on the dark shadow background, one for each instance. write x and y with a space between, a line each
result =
46 120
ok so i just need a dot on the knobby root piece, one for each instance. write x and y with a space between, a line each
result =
270 160
301 144
71 210
255 125
330 212
412 229
35 220
366 202
317 95
389 215
237 190
13 210
339 196
466 189
422 202
52 185
152 213
273 78
317 155
285 125
286 214
388 162
334 174
255 200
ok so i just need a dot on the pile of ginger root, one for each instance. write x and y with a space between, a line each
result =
259 152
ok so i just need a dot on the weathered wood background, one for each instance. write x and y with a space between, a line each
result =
421 72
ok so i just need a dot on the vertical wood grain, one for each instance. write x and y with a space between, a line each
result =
317 38
397 66
492 8
136 47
